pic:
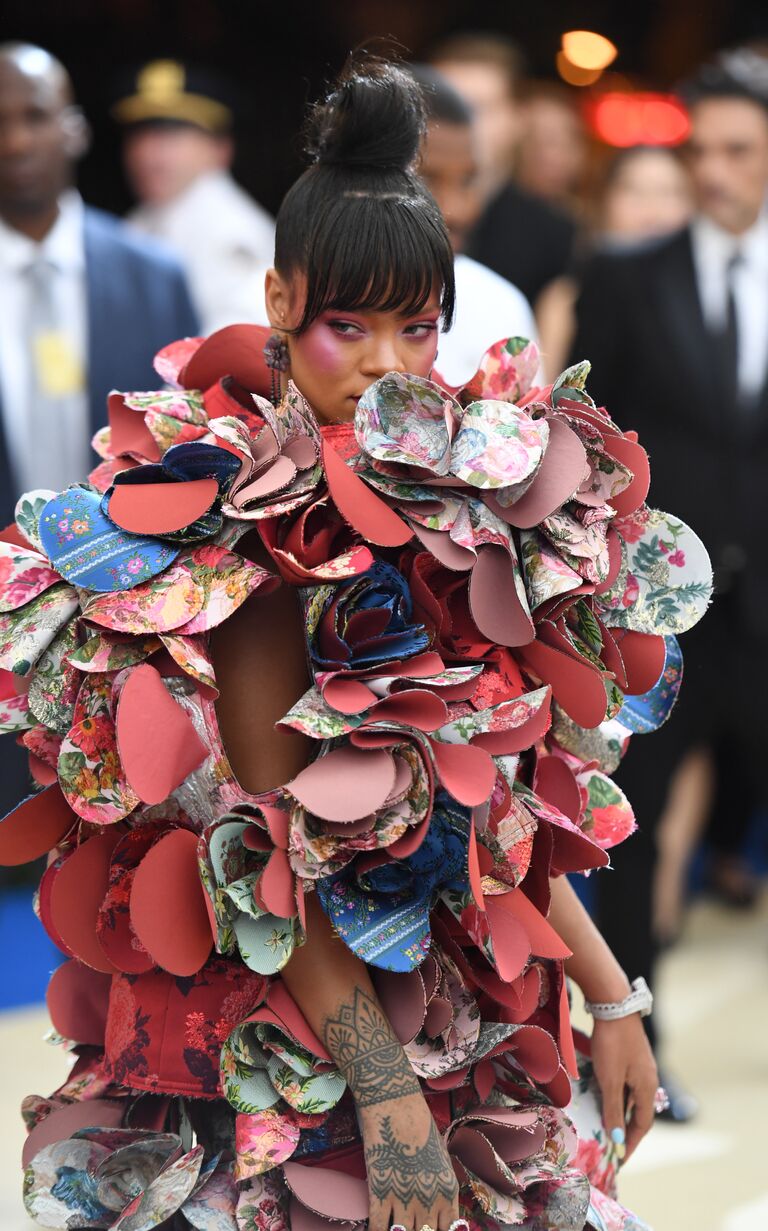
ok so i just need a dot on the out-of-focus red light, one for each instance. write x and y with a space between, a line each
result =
639 119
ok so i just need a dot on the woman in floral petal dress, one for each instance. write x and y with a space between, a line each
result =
324 693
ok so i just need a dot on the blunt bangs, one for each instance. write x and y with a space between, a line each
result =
366 249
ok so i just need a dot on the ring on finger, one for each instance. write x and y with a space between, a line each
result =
660 1100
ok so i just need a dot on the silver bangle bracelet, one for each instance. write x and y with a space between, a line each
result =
639 1000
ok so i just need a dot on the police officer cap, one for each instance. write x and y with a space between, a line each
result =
170 92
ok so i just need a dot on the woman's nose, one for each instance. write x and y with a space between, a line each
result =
384 356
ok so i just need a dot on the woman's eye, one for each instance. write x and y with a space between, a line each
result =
345 328
423 330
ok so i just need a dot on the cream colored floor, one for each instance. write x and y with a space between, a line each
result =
709 1176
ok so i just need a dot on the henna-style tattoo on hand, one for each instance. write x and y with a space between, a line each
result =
397 1169
363 1044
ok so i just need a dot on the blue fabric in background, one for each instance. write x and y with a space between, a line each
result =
27 956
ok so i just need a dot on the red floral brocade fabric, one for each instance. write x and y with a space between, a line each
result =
341 438
166 1033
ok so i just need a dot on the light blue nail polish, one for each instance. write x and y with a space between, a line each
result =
618 1136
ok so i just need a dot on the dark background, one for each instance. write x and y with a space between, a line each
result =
278 54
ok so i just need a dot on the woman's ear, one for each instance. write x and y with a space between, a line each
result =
278 299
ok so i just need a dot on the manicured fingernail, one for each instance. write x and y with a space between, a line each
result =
618 1136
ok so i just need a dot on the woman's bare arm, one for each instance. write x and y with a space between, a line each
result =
592 966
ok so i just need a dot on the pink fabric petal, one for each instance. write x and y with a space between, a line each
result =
159 746
332 1194
345 785
558 477
466 772
498 609
359 506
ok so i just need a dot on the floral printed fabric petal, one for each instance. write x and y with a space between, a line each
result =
405 421
23 575
90 773
14 711
54 687
506 371
497 445
667 583
160 606
27 632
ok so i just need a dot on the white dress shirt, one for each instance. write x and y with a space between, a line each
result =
64 248
488 308
713 249
224 240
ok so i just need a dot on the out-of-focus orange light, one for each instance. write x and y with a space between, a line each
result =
588 50
640 119
575 75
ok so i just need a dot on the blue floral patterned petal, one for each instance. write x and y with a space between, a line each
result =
89 550
383 915
650 711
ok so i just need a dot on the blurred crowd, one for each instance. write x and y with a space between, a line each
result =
651 260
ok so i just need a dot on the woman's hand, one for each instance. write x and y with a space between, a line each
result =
621 1054
626 1073
410 1178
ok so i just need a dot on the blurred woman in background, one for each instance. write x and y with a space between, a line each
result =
645 195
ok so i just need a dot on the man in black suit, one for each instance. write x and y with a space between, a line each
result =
85 303
678 338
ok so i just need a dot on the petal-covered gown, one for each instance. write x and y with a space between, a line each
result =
491 609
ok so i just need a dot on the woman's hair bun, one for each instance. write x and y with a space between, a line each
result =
374 118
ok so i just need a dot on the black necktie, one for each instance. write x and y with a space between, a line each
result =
729 338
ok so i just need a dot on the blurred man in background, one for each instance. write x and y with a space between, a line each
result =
487 306
522 237
178 151
679 341
551 158
85 304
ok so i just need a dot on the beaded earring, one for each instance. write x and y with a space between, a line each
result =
277 360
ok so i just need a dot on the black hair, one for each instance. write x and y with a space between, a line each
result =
442 102
359 223
732 75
